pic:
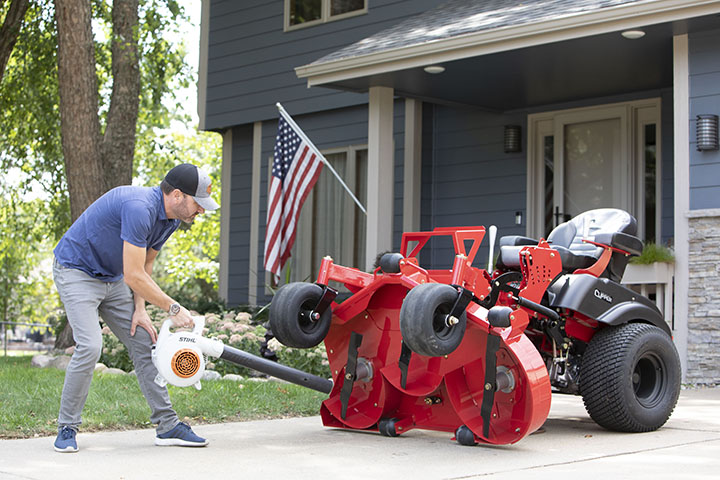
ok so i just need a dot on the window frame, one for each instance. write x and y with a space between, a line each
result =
325 15
300 261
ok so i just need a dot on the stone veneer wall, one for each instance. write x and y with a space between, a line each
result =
703 349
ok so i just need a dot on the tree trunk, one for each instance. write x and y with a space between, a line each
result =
79 121
64 338
118 148
95 163
9 31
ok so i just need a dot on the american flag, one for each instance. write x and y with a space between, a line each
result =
295 170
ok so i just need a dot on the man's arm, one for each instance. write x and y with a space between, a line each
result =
150 256
137 265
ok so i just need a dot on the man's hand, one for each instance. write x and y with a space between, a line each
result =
141 319
183 319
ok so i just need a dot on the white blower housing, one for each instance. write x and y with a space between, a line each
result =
180 356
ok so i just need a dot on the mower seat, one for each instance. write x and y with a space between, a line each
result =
608 226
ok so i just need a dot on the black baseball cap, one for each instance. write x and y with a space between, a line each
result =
192 181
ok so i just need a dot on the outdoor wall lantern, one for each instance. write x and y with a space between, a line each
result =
512 138
707 132
518 218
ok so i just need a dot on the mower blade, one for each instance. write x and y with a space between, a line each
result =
493 344
404 363
350 371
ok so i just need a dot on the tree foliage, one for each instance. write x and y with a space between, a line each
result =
24 286
31 143
187 267
29 98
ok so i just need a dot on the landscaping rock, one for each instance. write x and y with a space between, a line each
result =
60 362
70 350
41 361
114 371
100 367
211 375
233 377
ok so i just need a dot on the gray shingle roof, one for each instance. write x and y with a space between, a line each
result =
460 17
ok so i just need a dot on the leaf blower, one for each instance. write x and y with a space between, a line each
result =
180 359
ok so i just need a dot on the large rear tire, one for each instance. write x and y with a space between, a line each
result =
290 315
630 378
424 320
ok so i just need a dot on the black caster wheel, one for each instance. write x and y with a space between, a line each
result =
386 427
290 315
390 262
425 322
465 436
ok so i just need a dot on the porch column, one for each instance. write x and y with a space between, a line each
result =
412 165
681 125
255 214
380 174
203 62
226 185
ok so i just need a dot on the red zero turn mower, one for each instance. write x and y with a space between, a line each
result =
477 353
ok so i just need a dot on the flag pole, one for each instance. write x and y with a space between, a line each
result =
302 135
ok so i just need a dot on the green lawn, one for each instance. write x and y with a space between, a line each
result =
30 398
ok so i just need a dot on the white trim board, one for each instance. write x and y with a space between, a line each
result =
501 39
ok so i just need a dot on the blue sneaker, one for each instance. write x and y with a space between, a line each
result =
181 436
65 441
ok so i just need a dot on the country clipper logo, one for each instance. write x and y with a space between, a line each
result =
603 296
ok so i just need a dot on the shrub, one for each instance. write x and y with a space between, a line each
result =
311 360
114 354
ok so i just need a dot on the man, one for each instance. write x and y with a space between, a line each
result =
103 265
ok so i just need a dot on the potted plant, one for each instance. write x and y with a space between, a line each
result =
654 265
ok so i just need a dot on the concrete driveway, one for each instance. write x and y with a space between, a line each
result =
569 445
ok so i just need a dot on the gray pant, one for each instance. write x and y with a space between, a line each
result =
84 297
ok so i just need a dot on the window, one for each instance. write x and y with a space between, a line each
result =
330 222
301 13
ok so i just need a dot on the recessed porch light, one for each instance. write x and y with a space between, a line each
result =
633 34
434 69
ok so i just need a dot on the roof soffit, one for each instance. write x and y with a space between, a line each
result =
576 25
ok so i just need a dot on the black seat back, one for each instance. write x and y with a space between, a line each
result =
588 225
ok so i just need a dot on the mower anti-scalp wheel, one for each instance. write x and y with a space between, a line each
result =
465 436
425 322
386 427
630 378
290 315
390 262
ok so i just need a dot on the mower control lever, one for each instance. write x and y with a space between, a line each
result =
536 307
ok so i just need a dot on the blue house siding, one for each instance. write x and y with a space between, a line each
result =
239 235
704 63
473 182
251 60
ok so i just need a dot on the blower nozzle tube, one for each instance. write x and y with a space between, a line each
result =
277 370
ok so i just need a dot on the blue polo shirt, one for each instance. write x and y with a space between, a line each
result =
94 243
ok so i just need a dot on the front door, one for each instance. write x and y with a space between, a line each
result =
590 158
